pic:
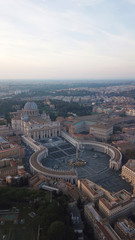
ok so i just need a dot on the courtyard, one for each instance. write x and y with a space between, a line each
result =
96 168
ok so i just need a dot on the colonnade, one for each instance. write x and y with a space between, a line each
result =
41 134
37 167
71 176
115 161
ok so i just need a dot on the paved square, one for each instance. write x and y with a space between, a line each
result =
96 168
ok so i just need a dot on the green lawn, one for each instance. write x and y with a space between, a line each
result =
18 231
21 231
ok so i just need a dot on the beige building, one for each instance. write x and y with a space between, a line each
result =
101 131
8 150
82 126
116 205
11 150
125 228
4 172
128 171
5 130
90 189
29 122
11 168
104 231
102 228
91 214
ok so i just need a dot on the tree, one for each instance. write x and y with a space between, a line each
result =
130 153
58 231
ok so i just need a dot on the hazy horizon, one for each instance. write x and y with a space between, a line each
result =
69 81
55 40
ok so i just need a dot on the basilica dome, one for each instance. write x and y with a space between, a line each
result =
30 106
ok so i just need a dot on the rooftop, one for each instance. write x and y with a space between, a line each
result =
103 125
90 123
131 164
2 140
93 211
112 201
128 227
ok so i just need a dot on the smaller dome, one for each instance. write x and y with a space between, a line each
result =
30 106
24 118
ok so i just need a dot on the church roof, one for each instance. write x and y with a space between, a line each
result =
30 106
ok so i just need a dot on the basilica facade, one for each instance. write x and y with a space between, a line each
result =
29 122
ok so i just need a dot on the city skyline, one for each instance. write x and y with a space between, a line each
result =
89 39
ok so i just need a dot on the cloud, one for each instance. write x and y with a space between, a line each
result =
132 1
87 2
52 40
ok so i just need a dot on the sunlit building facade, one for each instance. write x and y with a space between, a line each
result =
29 122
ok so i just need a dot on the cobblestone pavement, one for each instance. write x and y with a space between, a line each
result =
96 169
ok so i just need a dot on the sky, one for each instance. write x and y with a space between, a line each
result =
67 39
